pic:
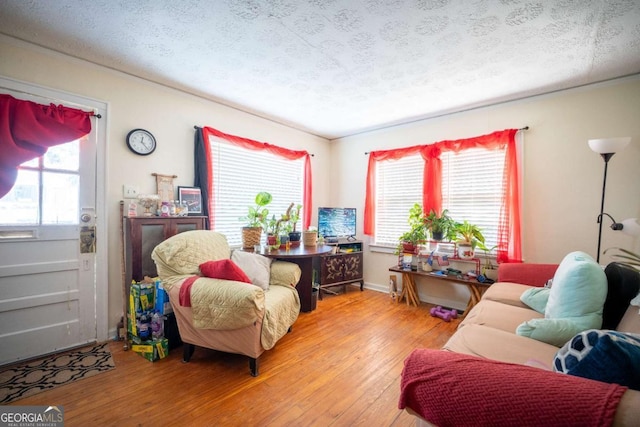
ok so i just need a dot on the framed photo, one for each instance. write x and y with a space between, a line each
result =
193 198
164 186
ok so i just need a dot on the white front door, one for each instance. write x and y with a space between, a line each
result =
47 250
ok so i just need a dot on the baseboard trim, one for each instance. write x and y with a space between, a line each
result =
458 305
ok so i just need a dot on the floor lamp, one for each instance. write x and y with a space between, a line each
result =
607 147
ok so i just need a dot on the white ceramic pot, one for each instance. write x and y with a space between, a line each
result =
465 251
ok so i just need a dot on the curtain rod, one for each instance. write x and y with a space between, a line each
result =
523 128
76 106
198 127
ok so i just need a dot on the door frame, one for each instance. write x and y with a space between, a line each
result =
102 221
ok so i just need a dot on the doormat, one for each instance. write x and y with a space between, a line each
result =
20 381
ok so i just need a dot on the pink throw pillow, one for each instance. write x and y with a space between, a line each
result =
223 269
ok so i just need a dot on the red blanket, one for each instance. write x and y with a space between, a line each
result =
185 291
451 389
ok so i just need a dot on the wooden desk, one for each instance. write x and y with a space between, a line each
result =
303 256
410 292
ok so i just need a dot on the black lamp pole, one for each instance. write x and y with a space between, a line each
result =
606 157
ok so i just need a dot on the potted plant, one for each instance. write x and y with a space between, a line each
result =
417 232
271 227
284 227
256 215
310 236
440 226
294 217
470 235
489 270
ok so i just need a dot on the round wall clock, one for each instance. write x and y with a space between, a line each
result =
141 142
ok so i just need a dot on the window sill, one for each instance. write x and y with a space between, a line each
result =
382 249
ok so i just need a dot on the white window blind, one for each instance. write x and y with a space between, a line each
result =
472 185
398 188
239 174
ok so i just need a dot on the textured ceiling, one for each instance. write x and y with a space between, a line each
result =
338 67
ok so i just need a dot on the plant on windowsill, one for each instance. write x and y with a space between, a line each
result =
470 235
254 220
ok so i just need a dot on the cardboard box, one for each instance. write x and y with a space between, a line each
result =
162 304
143 297
151 350
141 302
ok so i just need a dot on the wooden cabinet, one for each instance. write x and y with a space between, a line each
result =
143 234
140 236
341 268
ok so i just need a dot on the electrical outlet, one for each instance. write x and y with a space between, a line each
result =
130 191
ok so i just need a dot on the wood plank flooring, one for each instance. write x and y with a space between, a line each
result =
340 366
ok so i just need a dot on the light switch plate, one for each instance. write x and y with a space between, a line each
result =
129 191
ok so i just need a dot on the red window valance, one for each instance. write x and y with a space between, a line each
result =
250 144
509 235
28 129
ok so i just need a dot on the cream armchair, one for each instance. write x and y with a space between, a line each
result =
217 312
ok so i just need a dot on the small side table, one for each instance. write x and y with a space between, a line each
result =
410 292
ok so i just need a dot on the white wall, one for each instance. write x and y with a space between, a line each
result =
562 176
169 114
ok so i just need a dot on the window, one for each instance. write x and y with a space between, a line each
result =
46 191
398 188
472 188
239 174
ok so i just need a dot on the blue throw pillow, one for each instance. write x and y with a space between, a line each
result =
602 355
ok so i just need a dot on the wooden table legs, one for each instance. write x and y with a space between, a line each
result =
410 293
409 290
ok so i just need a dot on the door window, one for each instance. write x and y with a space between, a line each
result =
46 191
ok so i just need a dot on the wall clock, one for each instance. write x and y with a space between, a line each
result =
141 142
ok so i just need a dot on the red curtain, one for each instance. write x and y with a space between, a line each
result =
509 234
279 151
28 129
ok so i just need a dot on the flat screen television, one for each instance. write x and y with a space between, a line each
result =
337 222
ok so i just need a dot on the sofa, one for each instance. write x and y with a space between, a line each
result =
230 301
499 369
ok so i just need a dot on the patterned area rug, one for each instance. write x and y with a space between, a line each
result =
19 381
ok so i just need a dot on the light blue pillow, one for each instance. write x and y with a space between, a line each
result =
551 331
575 302
579 288
536 298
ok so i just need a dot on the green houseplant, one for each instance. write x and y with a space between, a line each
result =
626 257
489 270
417 232
284 226
294 217
271 227
440 226
254 220
470 235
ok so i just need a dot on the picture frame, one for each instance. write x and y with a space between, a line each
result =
164 187
193 197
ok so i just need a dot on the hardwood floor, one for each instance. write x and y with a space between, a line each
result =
340 366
